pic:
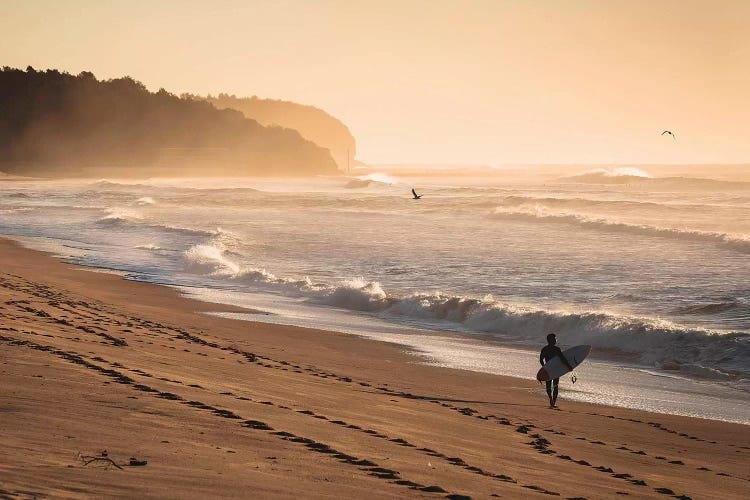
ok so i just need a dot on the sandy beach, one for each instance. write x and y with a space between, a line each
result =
222 408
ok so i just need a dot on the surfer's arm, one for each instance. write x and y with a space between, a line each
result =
541 359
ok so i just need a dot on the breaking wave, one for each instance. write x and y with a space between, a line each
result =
130 218
637 176
588 203
111 185
619 172
17 210
620 175
145 200
149 246
146 192
649 341
738 242
371 180
118 216
710 308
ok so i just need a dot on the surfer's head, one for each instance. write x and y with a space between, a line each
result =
551 339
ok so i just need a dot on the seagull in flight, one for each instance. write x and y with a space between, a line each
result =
670 133
416 196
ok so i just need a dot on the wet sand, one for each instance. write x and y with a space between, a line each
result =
223 408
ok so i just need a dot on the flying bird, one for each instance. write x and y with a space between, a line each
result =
670 133
416 196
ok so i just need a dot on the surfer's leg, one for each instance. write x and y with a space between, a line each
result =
553 398
548 384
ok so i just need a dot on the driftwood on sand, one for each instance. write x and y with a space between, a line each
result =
103 457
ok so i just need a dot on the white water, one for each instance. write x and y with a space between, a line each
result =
657 275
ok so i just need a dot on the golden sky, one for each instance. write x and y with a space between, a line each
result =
434 81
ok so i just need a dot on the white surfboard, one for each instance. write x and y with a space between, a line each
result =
555 368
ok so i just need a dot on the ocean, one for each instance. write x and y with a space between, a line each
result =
651 270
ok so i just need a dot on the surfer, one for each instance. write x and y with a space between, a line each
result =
549 352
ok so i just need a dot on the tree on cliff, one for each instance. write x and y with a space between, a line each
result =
60 124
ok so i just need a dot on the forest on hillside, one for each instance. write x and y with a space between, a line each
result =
55 123
313 123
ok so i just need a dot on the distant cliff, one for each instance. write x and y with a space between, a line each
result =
54 123
313 123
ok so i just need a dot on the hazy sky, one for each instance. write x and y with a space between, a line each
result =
503 81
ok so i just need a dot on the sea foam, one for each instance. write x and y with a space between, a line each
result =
649 341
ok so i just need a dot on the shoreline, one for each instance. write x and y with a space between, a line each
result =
606 381
358 323
92 361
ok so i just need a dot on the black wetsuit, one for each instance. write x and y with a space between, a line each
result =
549 352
